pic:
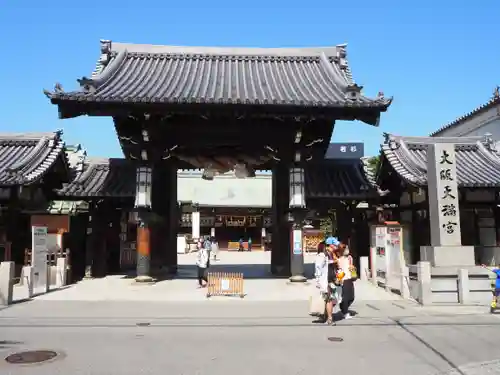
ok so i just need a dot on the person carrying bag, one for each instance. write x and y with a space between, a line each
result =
346 264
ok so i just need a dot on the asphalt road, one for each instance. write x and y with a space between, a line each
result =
217 337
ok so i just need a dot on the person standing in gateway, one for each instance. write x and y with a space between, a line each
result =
215 248
202 263
249 243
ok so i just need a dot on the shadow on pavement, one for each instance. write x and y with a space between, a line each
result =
250 271
17 301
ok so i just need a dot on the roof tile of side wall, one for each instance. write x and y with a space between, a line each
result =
340 180
26 157
301 77
495 101
102 178
478 164
116 178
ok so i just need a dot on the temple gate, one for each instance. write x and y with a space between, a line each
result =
219 109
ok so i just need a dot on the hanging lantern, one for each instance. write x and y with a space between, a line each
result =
297 191
143 187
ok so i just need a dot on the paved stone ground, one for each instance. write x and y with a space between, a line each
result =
96 326
385 337
259 284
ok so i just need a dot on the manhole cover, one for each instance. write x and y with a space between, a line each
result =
35 356
335 339
143 324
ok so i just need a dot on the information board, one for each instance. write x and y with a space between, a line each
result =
39 253
297 241
395 252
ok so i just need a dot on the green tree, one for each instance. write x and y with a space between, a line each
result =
374 163
328 224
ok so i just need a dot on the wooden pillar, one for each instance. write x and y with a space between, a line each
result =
14 230
89 248
93 241
143 207
415 229
344 223
105 216
165 208
157 229
95 245
496 214
77 238
172 216
362 236
275 233
280 240
143 251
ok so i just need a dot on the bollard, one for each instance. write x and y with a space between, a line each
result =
61 272
6 283
373 264
463 286
424 283
405 279
364 271
27 278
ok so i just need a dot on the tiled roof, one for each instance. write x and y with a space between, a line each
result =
26 157
67 207
298 77
478 164
343 180
369 172
495 100
103 178
116 178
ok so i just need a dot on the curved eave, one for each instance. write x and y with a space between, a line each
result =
367 112
401 169
33 169
481 164
369 172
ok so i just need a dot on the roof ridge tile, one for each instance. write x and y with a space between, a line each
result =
495 100
310 77
478 165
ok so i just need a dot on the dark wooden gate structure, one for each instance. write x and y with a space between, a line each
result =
219 109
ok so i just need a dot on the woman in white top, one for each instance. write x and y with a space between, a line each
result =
202 262
327 280
346 264
319 263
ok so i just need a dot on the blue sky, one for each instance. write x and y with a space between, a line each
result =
439 59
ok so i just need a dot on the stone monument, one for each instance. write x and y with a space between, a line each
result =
446 244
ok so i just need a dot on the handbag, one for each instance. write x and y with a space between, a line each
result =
316 305
354 273
353 269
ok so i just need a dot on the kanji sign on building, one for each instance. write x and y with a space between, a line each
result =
345 151
443 195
